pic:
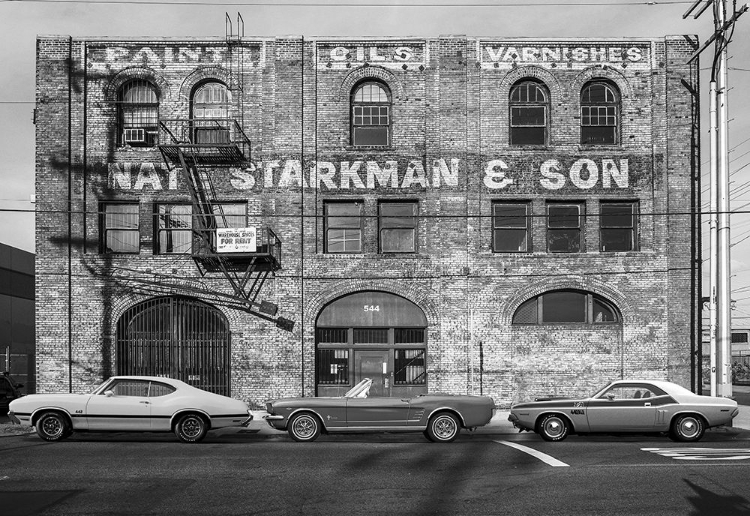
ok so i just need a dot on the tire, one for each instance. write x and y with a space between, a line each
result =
53 426
191 428
443 427
687 428
304 427
553 427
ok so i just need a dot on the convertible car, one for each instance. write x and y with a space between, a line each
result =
626 406
439 417
131 403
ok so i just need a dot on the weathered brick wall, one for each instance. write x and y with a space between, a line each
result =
450 109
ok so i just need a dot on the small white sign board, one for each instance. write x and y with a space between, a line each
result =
235 240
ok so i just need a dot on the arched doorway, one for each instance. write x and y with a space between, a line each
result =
177 337
374 335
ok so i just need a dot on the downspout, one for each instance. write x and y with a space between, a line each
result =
70 213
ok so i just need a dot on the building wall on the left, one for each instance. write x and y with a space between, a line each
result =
17 316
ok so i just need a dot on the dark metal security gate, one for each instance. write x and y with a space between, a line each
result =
176 337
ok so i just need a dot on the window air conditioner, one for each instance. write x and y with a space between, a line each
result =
135 135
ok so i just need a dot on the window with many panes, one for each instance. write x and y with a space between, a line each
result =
371 115
566 306
174 229
343 227
210 113
618 230
529 113
564 227
398 227
138 114
510 227
600 106
120 230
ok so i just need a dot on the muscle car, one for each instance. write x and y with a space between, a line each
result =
626 406
439 416
131 403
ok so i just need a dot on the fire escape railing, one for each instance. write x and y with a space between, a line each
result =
196 146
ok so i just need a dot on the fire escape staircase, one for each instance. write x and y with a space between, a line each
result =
195 147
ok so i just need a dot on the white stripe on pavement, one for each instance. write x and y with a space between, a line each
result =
539 455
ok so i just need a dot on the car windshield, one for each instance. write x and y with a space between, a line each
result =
360 390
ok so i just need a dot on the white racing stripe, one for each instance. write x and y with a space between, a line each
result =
539 455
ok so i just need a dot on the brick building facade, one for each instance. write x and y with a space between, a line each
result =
458 214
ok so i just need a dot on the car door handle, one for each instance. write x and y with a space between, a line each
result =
146 402
647 404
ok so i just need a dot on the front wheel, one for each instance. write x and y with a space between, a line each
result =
53 426
443 428
687 428
191 428
554 428
304 427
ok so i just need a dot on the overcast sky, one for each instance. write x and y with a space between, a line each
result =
21 21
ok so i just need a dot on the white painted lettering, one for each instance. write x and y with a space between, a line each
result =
119 176
584 174
494 178
292 174
323 171
440 171
147 176
553 179
610 171
268 167
383 175
414 174
351 174
242 178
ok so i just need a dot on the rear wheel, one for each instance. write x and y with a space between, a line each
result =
553 427
687 428
53 426
191 428
443 428
304 427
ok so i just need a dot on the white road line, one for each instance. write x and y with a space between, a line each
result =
539 455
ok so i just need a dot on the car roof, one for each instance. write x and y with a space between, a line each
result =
150 378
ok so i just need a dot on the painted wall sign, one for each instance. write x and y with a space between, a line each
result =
386 54
506 56
496 174
159 55
235 240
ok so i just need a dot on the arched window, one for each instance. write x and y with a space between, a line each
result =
210 113
178 337
371 115
600 114
566 306
529 113
138 114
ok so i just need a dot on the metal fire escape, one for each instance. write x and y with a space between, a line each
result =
196 147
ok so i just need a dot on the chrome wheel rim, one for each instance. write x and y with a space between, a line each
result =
192 427
52 426
689 427
553 427
444 427
304 427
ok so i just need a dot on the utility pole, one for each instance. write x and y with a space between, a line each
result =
720 296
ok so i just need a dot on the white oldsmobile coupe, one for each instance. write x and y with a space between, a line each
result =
131 403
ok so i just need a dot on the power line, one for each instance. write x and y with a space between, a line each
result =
648 3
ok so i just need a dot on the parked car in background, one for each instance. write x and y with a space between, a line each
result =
9 390
131 403
626 406
439 416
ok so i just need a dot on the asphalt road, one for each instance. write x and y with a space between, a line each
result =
246 473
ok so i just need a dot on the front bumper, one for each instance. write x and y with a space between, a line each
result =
248 420
274 421
13 419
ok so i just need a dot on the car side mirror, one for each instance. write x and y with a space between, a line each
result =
109 394
610 397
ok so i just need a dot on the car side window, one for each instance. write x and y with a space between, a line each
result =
137 388
160 389
630 392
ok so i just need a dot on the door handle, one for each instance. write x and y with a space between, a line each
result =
146 402
647 404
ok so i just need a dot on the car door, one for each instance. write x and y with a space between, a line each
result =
162 404
123 406
376 412
621 408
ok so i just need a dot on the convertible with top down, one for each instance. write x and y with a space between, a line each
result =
639 406
439 416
